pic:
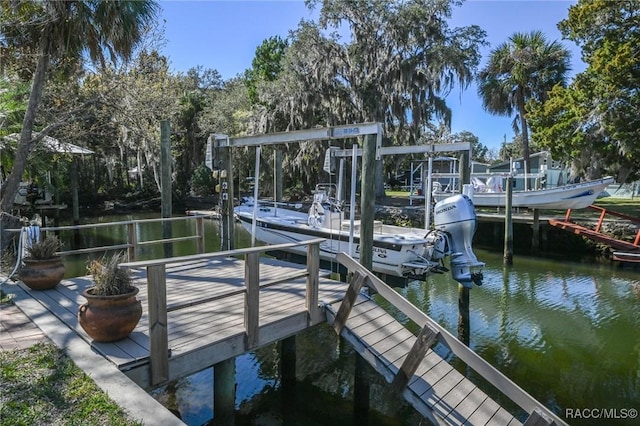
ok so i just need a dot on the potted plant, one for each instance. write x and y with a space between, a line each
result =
43 268
112 310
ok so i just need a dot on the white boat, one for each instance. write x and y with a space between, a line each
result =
397 251
572 196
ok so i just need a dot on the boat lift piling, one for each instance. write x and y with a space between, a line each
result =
165 183
508 224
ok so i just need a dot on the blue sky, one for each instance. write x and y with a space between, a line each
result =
223 35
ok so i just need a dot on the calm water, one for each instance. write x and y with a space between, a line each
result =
566 332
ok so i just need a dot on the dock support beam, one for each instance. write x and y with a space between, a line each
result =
361 392
224 392
158 328
288 377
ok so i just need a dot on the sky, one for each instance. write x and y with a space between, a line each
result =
224 35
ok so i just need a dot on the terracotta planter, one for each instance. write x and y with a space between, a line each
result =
109 318
42 274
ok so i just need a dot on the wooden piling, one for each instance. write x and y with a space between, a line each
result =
535 238
367 201
361 391
165 183
508 224
464 322
226 199
288 377
224 392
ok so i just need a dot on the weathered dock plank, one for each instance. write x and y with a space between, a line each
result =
436 389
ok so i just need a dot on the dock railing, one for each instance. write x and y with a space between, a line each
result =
157 308
431 332
132 244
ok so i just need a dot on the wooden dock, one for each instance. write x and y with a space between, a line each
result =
204 309
205 313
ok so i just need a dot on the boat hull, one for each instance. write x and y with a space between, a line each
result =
389 256
574 196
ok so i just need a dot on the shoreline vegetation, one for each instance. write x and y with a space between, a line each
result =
42 385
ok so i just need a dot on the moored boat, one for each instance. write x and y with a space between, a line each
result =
572 196
397 251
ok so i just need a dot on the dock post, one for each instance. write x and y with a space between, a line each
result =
367 201
74 191
224 392
313 283
226 199
535 239
361 392
132 241
158 327
252 299
200 235
165 183
288 377
464 322
508 224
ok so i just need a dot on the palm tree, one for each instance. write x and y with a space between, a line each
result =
523 68
63 32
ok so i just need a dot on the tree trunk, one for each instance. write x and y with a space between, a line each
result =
25 145
525 135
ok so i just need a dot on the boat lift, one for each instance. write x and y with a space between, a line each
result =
342 132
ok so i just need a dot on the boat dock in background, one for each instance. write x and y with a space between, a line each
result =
626 251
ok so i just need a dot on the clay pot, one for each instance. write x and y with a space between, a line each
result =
109 318
42 274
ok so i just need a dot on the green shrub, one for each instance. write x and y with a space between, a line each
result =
202 181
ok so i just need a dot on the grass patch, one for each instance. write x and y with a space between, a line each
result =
41 385
4 297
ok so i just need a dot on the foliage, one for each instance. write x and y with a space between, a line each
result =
265 66
41 385
397 67
521 69
598 115
199 87
59 35
108 278
202 181
45 248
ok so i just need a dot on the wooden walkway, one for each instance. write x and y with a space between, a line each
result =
200 334
436 390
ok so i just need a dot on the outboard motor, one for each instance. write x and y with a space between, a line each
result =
456 216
